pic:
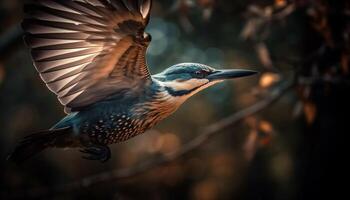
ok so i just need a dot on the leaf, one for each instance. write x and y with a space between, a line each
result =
265 126
264 55
249 29
268 79
250 145
310 112
280 3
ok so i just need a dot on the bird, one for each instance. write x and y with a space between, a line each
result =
92 55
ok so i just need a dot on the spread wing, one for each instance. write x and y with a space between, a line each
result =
86 50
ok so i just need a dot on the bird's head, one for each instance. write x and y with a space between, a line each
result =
186 79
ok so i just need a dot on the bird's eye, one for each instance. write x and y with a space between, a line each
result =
202 73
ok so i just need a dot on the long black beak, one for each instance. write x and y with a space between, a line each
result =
229 74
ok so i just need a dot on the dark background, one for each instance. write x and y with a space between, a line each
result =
294 148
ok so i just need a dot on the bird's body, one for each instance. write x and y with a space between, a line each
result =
120 117
91 54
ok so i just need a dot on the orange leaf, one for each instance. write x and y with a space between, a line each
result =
268 79
310 112
280 3
265 127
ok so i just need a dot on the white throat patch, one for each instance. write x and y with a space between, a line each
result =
186 85
190 84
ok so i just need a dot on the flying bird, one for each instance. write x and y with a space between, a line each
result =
92 55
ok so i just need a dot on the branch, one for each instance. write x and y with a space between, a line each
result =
205 135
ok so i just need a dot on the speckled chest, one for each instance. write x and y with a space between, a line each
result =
112 128
116 121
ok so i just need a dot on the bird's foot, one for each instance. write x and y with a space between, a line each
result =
97 152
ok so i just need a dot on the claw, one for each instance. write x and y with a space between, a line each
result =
97 152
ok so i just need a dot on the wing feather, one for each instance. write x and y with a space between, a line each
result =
86 50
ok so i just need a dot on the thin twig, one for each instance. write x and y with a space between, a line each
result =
205 135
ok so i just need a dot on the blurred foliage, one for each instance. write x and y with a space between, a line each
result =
286 152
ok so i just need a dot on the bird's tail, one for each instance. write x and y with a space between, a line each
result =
35 143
